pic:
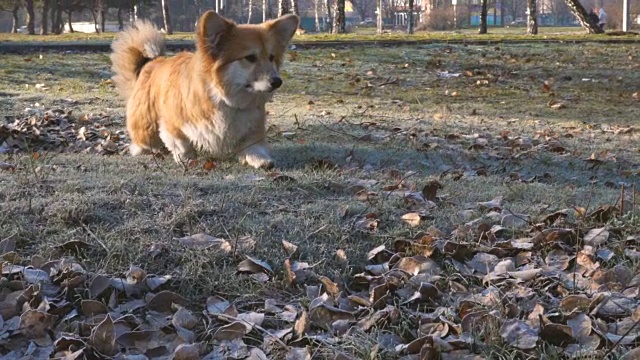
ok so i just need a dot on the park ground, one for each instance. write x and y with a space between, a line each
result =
493 175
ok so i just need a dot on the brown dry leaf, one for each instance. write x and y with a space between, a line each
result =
163 301
254 266
633 354
135 275
341 256
596 237
556 334
184 318
98 285
217 305
381 318
430 190
103 337
203 241
412 219
187 352
418 265
209 165
329 286
301 325
558 259
289 247
324 315
235 330
251 319
367 224
35 324
580 325
573 303
93 307
518 334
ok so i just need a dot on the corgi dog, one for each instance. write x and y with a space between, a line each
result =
212 99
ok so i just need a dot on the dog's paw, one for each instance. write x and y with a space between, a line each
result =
135 149
258 157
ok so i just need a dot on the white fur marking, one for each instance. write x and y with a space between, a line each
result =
261 86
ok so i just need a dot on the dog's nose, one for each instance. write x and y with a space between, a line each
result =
276 82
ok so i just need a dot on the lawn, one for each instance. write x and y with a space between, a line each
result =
458 201
359 34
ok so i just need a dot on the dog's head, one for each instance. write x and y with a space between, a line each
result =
242 62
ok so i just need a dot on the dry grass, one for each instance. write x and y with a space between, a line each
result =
359 34
332 107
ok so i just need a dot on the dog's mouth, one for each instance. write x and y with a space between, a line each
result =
264 86
259 90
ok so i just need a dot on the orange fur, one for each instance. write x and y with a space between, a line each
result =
212 99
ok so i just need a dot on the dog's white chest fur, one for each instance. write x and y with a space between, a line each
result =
228 131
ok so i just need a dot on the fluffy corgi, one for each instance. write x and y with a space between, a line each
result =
212 99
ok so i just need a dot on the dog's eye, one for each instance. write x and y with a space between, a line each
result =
271 58
251 58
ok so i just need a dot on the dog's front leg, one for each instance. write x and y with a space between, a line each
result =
256 155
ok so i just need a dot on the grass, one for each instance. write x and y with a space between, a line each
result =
374 112
360 34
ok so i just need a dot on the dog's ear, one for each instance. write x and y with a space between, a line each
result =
284 28
211 30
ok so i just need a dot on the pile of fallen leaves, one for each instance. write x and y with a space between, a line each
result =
58 130
502 283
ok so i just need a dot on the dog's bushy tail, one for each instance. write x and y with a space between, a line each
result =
131 50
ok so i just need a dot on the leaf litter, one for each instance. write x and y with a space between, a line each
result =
543 284
499 280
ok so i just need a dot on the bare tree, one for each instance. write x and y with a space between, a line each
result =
14 16
283 7
532 17
265 5
483 18
166 16
410 18
44 26
294 7
339 20
362 7
315 10
250 12
329 19
514 8
379 18
31 18
583 17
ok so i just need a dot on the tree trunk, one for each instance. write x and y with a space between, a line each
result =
70 21
31 18
265 4
329 17
315 9
532 17
16 21
410 18
339 18
379 22
166 16
95 21
250 12
44 26
283 7
120 20
55 5
483 18
294 7
583 17
59 25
